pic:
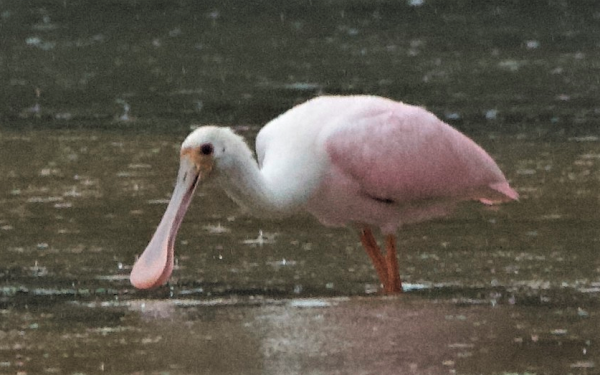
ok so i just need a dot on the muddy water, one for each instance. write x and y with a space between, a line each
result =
331 336
490 290
97 97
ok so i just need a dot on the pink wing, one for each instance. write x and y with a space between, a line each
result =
406 154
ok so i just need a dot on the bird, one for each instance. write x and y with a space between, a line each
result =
365 162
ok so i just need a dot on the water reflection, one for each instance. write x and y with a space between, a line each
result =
298 336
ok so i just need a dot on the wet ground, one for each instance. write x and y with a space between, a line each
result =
97 97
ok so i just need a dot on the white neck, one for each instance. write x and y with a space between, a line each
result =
244 182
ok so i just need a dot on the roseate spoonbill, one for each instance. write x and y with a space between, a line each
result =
362 161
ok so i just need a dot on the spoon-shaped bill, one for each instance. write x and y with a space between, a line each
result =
154 266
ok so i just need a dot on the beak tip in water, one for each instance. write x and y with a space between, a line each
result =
142 277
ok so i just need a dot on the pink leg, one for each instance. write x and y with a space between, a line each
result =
394 283
387 268
373 251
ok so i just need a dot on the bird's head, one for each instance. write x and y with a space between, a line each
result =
211 148
205 152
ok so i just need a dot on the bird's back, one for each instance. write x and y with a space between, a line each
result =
291 148
361 156
407 154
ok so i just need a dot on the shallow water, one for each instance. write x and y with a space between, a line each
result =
88 162
358 335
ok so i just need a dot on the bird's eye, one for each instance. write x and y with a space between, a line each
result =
206 149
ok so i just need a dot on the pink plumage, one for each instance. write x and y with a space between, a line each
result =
376 161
